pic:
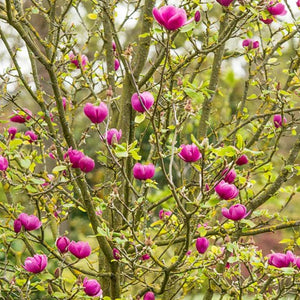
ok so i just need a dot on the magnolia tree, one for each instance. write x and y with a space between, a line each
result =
135 163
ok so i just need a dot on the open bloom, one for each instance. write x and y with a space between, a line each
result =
12 132
96 113
163 214
30 222
86 164
74 156
149 296
62 244
250 44
277 120
225 2
242 160
36 264
235 212
92 287
78 59
276 9
143 172
170 16
202 244
189 153
226 190
281 260
80 249
230 176
21 117
113 136
142 102
32 136
3 163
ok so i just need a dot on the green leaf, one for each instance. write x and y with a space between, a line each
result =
139 118
240 141
37 180
92 16
212 202
15 143
188 27
194 140
285 241
30 188
59 168
248 222
229 151
59 295
195 95
135 155
25 163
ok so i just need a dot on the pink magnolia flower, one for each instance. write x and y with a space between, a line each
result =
64 101
267 21
62 244
92 287
146 98
12 132
298 4
281 260
21 117
74 156
202 244
276 9
197 16
17 226
78 59
95 113
189 153
86 164
226 190
3 163
117 64
80 249
116 254
170 16
297 260
50 177
225 2
113 44
235 212
242 160
163 214
36 264
113 136
145 257
51 155
149 296
143 172
230 176
30 222
32 136
277 119
250 44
